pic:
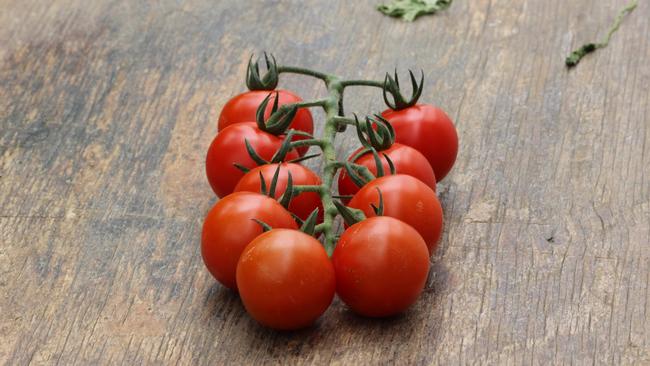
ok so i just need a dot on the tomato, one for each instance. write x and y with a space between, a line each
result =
406 160
301 205
406 199
229 228
429 130
243 108
286 281
229 147
381 266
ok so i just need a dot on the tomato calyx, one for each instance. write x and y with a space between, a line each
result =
381 137
379 209
279 155
309 225
360 175
391 85
280 117
254 81
350 215
286 197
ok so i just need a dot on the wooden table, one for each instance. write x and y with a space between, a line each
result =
107 109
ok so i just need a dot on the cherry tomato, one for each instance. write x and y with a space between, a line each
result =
286 281
243 108
229 227
381 266
429 130
406 159
229 147
406 199
301 205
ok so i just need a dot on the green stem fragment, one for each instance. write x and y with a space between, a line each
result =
574 58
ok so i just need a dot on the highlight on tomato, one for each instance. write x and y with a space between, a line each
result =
230 226
286 280
381 266
301 204
228 149
404 198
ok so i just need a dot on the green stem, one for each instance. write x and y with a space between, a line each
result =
314 103
301 71
377 84
577 55
307 142
335 89
300 189
333 124
345 121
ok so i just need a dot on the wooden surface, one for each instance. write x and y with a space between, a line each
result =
107 108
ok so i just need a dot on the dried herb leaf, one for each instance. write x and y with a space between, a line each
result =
409 10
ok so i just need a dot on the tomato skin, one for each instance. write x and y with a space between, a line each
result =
406 199
301 205
429 130
406 160
228 147
381 266
229 228
286 281
243 108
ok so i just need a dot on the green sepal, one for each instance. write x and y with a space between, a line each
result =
356 178
391 85
349 216
361 153
391 166
265 227
297 219
263 188
288 193
309 225
253 154
379 210
280 118
378 164
381 139
274 182
241 167
342 196
284 148
267 82
303 158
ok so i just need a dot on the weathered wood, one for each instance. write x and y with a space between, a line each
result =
107 109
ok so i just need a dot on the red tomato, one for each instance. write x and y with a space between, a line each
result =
406 159
243 108
229 147
381 266
406 199
301 205
229 228
429 130
286 281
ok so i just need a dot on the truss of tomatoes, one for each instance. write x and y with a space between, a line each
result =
261 238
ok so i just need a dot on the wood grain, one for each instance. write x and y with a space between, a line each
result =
107 108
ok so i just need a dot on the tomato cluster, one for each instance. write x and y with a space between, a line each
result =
261 238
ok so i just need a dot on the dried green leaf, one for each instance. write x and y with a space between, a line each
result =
409 10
